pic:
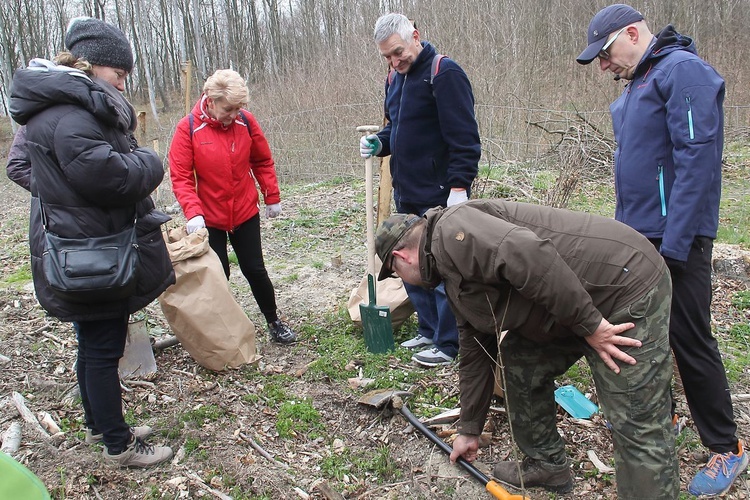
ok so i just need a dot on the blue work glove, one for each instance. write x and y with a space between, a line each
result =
195 223
370 145
457 196
273 210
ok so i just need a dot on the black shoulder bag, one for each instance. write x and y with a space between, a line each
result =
91 270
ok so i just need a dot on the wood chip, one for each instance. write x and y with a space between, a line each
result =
604 469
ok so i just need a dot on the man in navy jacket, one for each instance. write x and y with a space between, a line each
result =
668 124
433 139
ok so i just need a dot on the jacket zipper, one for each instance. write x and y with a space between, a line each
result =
661 192
690 118
395 129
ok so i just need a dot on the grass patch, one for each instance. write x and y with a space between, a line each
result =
204 414
741 299
273 392
378 465
298 417
19 276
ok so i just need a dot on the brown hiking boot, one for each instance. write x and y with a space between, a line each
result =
140 454
557 478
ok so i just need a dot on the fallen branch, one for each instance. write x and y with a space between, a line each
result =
202 484
740 397
11 439
167 342
260 450
48 422
26 414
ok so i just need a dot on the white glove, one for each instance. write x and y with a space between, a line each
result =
370 145
273 210
457 196
195 223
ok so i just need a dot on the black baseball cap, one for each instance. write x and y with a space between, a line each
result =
606 21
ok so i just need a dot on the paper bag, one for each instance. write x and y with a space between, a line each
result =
389 292
200 307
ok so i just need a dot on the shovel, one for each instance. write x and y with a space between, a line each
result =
376 320
385 397
138 358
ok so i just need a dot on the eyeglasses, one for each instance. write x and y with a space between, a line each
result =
603 54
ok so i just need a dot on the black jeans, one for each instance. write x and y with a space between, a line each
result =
245 240
100 346
697 352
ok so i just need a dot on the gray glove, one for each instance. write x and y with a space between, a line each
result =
273 210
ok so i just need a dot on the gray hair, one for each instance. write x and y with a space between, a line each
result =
392 23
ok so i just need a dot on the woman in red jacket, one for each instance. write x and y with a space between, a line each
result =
218 153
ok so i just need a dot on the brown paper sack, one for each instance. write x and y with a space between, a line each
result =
389 292
200 307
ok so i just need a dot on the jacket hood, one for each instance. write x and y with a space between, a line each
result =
200 111
44 84
668 40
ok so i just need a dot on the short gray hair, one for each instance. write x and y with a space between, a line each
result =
393 23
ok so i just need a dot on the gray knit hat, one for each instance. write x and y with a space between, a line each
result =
99 43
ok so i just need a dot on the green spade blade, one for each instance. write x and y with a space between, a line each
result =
376 321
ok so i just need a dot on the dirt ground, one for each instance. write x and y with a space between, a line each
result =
240 451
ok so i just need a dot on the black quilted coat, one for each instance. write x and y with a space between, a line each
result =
92 179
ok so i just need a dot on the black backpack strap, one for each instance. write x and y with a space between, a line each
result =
247 122
190 119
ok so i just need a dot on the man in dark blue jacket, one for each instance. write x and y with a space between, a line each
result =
433 139
668 124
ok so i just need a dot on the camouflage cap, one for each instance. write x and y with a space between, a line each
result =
388 235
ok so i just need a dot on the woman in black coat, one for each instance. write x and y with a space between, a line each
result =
92 180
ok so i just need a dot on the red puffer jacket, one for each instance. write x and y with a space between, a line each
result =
214 172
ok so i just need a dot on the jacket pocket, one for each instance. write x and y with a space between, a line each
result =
691 130
662 192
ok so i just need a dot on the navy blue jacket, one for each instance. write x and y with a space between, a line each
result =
432 134
669 128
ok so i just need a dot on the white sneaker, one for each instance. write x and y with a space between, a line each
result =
417 342
432 357
139 454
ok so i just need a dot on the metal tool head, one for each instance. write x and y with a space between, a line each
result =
381 398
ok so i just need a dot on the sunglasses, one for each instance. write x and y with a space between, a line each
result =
603 54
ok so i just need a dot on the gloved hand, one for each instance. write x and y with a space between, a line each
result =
370 145
195 223
456 196
273 210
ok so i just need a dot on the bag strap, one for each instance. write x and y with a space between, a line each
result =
434 68
43 215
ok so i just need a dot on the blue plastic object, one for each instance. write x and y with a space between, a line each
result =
574 402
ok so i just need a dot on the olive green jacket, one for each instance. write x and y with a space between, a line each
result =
535 271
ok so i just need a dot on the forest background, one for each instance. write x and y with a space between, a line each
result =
315 74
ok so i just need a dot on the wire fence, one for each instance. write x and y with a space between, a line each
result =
318 144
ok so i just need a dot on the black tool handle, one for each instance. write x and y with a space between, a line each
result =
413 420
